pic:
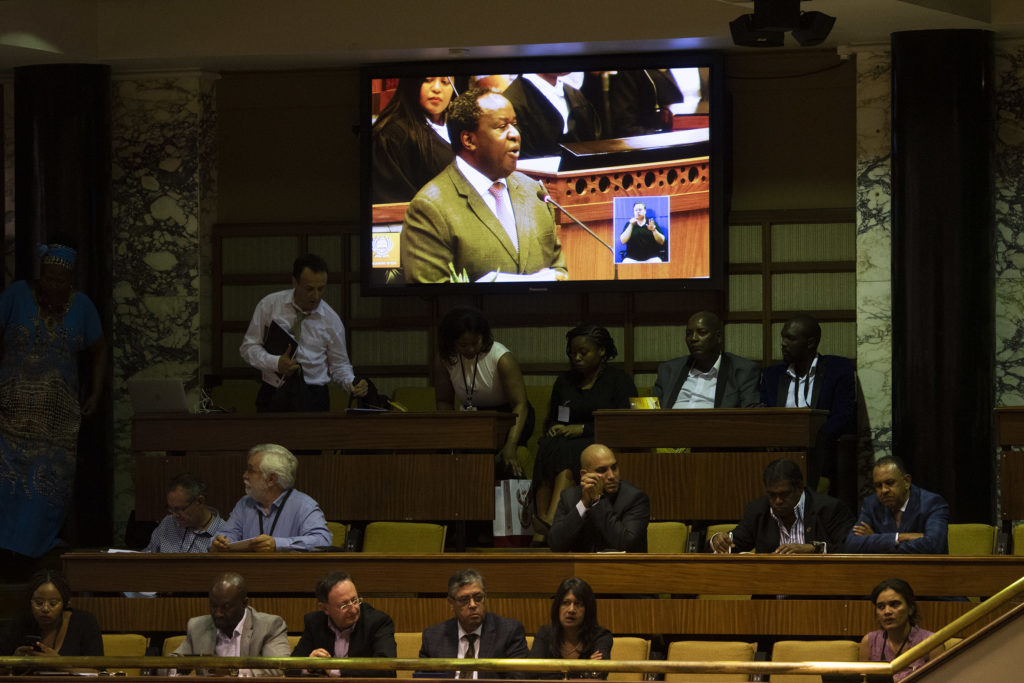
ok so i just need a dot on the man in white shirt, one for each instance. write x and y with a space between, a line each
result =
233 629
295 378
708 377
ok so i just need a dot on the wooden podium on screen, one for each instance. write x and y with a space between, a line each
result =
588 194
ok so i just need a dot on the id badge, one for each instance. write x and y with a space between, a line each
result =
563 414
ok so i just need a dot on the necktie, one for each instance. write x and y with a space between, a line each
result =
297 326
504 213
470 654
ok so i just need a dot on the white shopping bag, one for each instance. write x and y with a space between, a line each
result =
509 497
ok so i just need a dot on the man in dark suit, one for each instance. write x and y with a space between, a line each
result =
542 126
603 512
807 379
900 518
345 626
474 633
708 377
479 215
790 519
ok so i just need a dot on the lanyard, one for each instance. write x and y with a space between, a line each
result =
885 639
259 514
470 388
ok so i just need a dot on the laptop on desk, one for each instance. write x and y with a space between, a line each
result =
157 395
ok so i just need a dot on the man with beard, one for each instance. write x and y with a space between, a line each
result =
708 377
807 379
789 519
190 524
900 518
603 512
233 629
273 515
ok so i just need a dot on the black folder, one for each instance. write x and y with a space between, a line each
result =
277 340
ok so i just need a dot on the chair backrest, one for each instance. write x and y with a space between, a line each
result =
971 539
716 529
171 644
293 641
404 537
811 651
339 532
529 642
416 399
627 648
1018 539
408 648
667 537
125 645
709 651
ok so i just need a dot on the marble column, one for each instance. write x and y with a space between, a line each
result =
874 349
164 204
874 303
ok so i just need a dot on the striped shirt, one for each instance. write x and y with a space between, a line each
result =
171 537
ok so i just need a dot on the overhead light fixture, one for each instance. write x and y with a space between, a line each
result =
772 19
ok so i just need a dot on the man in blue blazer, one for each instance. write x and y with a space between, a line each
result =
474 633
708 377
479 215
345 626
807 379
901 518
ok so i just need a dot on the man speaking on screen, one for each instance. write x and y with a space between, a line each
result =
478 219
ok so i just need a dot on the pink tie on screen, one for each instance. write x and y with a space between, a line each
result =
504 213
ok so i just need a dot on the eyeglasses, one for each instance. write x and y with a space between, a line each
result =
351 604
52 603
180 509
464 600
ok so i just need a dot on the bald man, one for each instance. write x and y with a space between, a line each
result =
708 377
234 629
604 512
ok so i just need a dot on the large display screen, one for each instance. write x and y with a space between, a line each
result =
610 173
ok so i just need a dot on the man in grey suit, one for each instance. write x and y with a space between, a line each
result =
479 215
233 629
603 512
708 377
474 633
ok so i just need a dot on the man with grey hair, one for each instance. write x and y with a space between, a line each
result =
473 632
190 524
273 515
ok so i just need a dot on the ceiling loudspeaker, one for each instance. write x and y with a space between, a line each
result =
772 19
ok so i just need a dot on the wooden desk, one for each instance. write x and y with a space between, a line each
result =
1010 432
589 195
747 433
411 587
380 466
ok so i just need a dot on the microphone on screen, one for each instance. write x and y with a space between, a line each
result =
542 194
